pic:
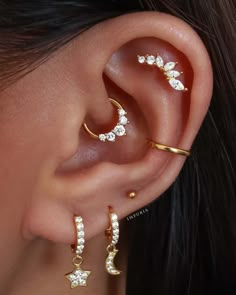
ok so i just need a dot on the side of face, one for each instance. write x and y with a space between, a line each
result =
51 169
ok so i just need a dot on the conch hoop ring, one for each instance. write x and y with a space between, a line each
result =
118 130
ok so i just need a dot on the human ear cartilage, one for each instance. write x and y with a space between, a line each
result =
168 69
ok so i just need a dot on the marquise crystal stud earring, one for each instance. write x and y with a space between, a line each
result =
78 277
112 234
119 130
168 69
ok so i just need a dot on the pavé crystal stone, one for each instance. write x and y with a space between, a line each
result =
123 120
110 136
159 61
78 277
150 59
119 130
102 137
172 74
121 112
176 84
169 66
80 226
78 219
141 59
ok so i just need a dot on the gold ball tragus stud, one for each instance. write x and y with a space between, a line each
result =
119 130
168 69
131 195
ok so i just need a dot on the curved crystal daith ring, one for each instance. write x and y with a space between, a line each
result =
119 130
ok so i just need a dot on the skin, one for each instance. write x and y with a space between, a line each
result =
52 170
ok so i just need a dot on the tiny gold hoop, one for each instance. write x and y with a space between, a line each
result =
169 149
118 130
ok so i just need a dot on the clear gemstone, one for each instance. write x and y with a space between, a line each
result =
159 61
110 136
80 226
72 277
74 284
116 231
169 66
81 234
115 225
80 248
119 130
173 74
114 217
176 84
141 59
102 137
122 112
84 275
123 120
150 59
78 219
81 241
82 282
78 273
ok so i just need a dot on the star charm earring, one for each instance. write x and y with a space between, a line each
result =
78 277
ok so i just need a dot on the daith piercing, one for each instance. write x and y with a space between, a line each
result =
168 69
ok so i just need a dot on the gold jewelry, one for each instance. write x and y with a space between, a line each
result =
131 195
119 129
78 277
112 234
167 69
169 149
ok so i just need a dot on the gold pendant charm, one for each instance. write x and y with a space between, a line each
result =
78 277
110 267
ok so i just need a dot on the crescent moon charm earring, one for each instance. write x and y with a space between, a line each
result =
112 234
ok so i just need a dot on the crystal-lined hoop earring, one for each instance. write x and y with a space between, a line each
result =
168 69
112 234
78 277
119 130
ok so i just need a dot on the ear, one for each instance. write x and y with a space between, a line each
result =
103 173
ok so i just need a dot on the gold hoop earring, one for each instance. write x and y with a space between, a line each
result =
78 277
119 130
169 149
167 69
112 234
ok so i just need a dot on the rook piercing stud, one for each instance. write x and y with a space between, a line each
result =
168 69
